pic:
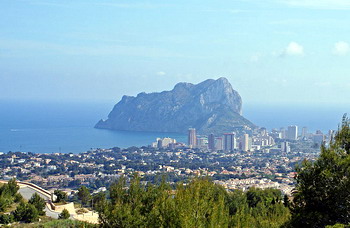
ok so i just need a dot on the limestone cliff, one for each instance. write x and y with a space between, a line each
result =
211 106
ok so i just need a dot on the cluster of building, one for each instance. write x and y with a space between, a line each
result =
292 133
226 142
250 141
251 159
263 183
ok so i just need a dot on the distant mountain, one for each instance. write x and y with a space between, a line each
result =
211 106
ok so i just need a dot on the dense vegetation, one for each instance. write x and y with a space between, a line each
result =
24 211
322 193
201 203
61 223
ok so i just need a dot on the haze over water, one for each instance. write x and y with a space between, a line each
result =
49 127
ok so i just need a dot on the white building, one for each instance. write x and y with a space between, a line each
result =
246 145
292 132
192 137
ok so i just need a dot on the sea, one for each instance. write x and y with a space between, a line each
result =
68 127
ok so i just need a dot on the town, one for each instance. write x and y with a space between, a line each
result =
255 158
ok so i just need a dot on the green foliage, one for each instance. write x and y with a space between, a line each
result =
338 225
263 208
323 187
84 195
64 214
6 218
12 186
5 202
98 200
286 201
200 203
8 194
60 223
67 223
255 196
18 198
26 212
61 196
38 202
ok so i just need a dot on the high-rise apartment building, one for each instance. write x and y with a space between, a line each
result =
192 137
211 142
285 147
164 142
230 141
219 144
292 132
245 142
304 132
283 133
202 142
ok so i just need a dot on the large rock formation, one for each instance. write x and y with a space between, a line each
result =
211 106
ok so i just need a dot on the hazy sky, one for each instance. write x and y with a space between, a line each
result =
272 51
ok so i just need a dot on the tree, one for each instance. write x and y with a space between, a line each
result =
38 202
322 192
8 194
200 203
12 186
5 202
286 202
99 200
64 214
84 195
26 212
61 196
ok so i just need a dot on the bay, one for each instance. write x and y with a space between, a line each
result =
67 127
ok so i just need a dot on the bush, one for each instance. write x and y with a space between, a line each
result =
64 215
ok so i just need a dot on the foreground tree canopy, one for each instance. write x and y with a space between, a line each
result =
201 203
322 193
25 211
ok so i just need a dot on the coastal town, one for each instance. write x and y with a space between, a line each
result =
257 158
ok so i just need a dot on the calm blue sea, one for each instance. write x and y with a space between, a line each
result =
44 127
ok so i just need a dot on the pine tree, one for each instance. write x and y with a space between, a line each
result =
84 195
322 191
26 212
38 202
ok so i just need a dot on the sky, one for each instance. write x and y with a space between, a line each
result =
272 51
